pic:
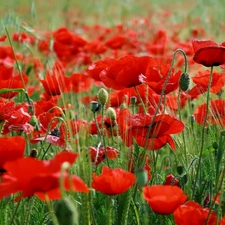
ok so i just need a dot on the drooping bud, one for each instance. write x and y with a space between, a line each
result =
184 82
180 169
141 177
95 106
66 212
103 96
110 112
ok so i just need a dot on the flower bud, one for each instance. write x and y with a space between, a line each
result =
33 120
133 100
110 112
33 153
184 82
66 212
95 106
180 169
141 177
103 96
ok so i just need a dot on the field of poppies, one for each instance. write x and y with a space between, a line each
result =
112 113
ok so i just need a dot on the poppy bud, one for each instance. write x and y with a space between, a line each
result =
215 145
110 112
133 100
33 153
184 179
184 82
33 120
102 96
95 106
180 169
66 212
142 177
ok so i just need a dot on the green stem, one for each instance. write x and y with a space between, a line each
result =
109 218
139 96
53 216
203 129
179 112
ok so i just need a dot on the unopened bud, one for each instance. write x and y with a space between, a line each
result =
33 120
180 169
103 96
66 212
142 177
33 153
133 100
184 82
95 106
110 112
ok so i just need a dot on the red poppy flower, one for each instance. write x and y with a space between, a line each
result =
10 80
172 101
108 125
23 37
164 199
171 180
95 68
55 81
113 181
3 38
80 82
202 79
136 126
18 121
31 176
95 47
128 71
6 109
148 96
192 213
55 136
116 42
208 53
216 114
11 148
157 77
222 221
98 155
67 44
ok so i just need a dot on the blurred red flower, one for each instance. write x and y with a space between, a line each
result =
35 177
192 213
80 82
11 148
208 53
171 180
164 199
216 114
113 181
55 81
202 79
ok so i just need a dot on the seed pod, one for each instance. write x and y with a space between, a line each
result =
33 120
184 82
66 212
103 96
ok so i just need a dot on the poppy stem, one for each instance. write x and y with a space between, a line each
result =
142 103
179 112
53 216
109 218
203 129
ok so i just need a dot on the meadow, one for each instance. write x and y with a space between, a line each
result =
112 112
